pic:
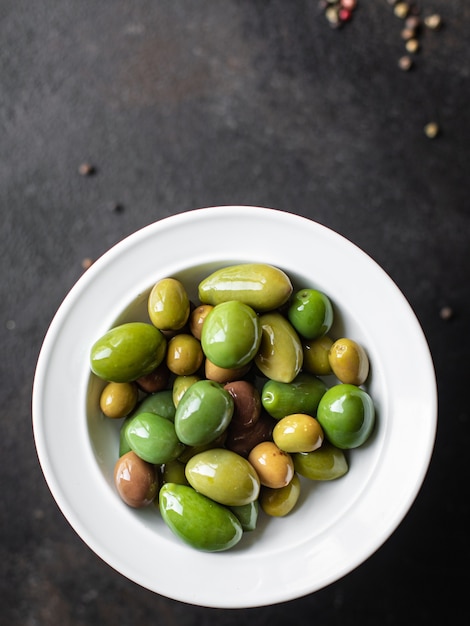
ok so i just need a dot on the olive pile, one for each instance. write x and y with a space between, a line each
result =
223 402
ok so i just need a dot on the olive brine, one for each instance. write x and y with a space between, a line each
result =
226 402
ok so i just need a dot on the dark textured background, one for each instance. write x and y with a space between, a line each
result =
183 104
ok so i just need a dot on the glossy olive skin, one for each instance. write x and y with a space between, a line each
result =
224 476
118 399
280 354
301 395
231 334
180 386
153 438
243 440
262 287
184 355
247 403
298 433
203 413
349 361
168 304
160 403
347 415
174 472
247 515
326 463
135 480
280 502
127 352
310 313
316 355
197 520
274 467
197 318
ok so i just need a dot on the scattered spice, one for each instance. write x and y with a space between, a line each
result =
433 21
401 9
338 12
87 263
86 169
446 313
431 130
412 45
405 63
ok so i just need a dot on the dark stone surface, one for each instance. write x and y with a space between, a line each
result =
180 105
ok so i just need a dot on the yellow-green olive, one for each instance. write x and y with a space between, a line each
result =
168 304
184 355
280 502
280 354
349 361
118 399
316 352
298 433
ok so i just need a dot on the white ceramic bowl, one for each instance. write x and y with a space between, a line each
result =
339 524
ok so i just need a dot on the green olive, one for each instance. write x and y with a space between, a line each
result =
301 395
168 304
153 438
203 413
184 355
349 361
197 520
326 463
280 354
310 313
127 352
231 334
247 515
347 415
118 399
161 403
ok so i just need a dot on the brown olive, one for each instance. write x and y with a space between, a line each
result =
197 317
247 403
136 480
